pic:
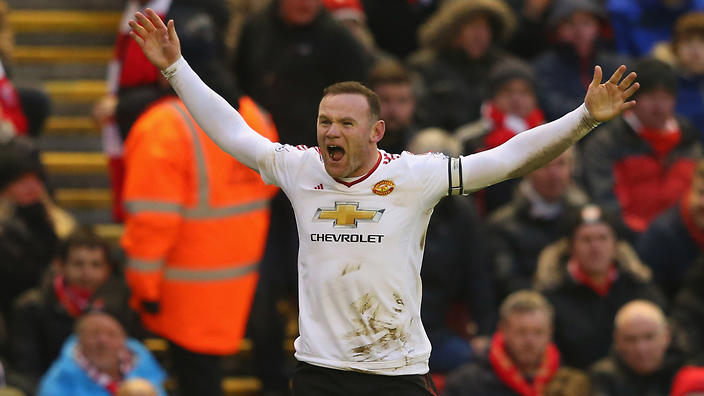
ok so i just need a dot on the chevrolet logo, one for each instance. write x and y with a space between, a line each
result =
346 214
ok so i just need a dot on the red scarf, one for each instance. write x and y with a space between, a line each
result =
580 277
508 373
127 362
695 232
74 299
505 126
661 141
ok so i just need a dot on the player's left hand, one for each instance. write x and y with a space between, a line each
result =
606 101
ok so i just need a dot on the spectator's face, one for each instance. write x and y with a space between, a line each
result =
580 30
655 107
594 247
26 190
641 342
398 104
347 135
552 180
299 12
474 38
86 267
526 335
102 340
516 97
690 54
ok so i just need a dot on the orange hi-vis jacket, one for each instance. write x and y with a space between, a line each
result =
196 228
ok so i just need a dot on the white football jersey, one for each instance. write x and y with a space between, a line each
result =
360 254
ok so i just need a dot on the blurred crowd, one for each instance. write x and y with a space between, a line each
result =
583 278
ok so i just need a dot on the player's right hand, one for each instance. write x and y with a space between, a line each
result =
158 42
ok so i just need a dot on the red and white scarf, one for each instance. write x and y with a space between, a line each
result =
505 126
74 299
580 277
508 373
127 362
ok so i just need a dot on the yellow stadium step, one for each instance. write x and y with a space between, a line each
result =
75 162
72 125
241 386
35 21
83 198
62 54
79 91
109 232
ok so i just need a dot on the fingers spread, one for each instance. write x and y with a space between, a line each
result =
627 81
137 28
136 38
628 105
158 23
617 75
597 75
631 90
146 23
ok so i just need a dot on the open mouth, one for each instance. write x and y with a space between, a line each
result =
335 152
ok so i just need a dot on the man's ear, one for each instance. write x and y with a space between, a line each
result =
378 130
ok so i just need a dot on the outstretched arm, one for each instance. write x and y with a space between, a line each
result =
214 115
532 149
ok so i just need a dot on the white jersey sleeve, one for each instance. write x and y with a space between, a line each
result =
281 164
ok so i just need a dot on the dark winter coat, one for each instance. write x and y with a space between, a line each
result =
476 379
611 377
688 310
285 68
583 319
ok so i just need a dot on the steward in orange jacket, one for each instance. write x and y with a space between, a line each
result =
196 228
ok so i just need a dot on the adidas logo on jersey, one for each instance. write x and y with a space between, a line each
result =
318 187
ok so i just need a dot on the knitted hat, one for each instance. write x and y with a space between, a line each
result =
345 9
564 9
688 379
18 157
509 70
654 74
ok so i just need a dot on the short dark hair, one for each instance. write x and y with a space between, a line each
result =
388 72
83 237
356 88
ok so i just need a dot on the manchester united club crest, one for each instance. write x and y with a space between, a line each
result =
383 187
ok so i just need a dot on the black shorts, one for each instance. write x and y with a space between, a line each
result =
310 380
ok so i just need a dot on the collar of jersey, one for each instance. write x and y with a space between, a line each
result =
362 178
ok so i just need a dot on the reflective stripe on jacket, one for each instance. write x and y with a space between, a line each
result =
196 227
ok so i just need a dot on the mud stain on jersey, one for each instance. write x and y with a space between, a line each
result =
351 267
379 331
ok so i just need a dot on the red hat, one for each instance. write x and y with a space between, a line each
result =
345 9
688 379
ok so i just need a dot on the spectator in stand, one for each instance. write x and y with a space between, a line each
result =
640 24
687 312
643 161
97 359
521 360
521 229
44 317
587 277
565 71
459 45
350 14
569 382
641 363
395 23
530 38
451 279
28 237
395 88
688 47
675 239
689 381
510 108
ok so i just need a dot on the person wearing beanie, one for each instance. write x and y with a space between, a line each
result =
98 358
459 46
511 107
689 381
688 48
564 71
44 317
27 236
587 276
642 362
643 161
